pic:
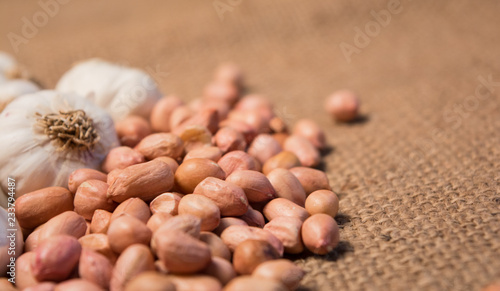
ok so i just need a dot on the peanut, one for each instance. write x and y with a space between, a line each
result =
320 233
251 253
37 207
157 220
287 230
284 160
150 281
90 196
145 181
211 153
120 158
263 147
43 286
202 207
253 218
162 111
284 207
229 139
127 230
77 285
81 175
166 203
100 221
238 160
95 267
343 105
160 144
220 269
98 242
132 129
55 258
229 198
25 277
133 261
308 155
256 186
181 253
226 222
281 270
135 207
311 131
195 282
195 137
216 245
170 162
251 283
322 201
311 179
287 186
193 171
236 234
221 91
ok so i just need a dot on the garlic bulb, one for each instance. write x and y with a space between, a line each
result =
47 135
11 89
9 67
120 90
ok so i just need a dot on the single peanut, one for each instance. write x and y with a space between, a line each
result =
221 91
216 245
81 175
95 267
256 186
66 223
263 147
195 282
229 139
282 270
193 171
127 230
162 111
238 160
170 162
157 220
311 179
236 234
284 207
253 217
133 261
100 221
343 105
90 196
320 233
311 131
287 186
245 129
187 223
37 207
206 118
287 230
308 155
211 153
179 115
202 207
120 158
159 145
166 203
283 160
226 222
251 283
55 258
132 129
181 253
195 137
150 281
135 207
251 253
24 273
77 285
258 119
322 201
229 198
145 181
98 242
220 269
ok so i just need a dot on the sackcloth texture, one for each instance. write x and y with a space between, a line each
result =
418 176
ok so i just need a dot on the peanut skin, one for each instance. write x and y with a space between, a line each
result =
81 175
236 234
120 158
251 253
127 230
202 207
37 207
282 270
229 198
160 144
95 268
90 196
320 233
256 186
287 186
133 261
145 181
193 171
311 179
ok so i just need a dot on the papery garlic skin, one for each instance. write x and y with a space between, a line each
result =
11 89
31 158
122 91
9 67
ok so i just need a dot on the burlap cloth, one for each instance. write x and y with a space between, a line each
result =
418 179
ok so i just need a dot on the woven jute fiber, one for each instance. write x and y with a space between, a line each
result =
418 177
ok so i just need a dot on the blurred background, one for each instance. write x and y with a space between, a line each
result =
418 180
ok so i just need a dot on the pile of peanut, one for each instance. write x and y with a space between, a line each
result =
208 195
